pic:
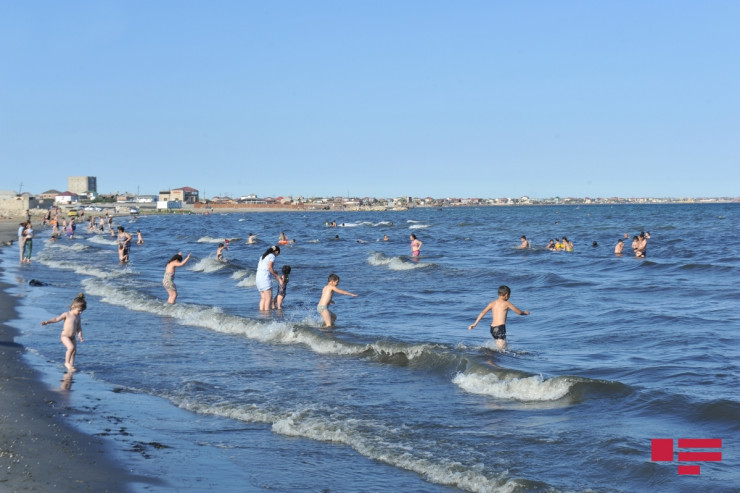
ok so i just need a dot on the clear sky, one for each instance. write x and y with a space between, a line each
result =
373 98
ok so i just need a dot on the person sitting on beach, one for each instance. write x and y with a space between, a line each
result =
220 252
619 247
326 299
124 244
169 275
277 303
72 327
499 308
525 243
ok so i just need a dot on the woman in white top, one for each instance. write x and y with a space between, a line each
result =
265 267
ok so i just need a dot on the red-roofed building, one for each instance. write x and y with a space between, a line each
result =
66 198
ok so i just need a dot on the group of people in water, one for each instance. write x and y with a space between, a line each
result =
266 271
639 244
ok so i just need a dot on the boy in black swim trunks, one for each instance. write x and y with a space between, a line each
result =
499 308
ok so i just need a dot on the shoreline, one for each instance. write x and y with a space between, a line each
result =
39 450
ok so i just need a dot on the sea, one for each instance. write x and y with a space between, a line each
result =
212 394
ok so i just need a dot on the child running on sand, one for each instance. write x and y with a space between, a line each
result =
499 308
277 303
326 295
72 327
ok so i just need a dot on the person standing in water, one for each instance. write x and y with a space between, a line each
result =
499 308
72 327
265 268
415 245
169 275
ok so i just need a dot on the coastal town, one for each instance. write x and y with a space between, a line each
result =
82 193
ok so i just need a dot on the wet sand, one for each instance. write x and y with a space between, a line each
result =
39 451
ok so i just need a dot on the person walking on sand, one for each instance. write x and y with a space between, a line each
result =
169 275
27 242
265 268
22 238
72 327
499 308
326 299
415 245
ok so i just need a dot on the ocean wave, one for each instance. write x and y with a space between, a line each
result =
419 226
240 274
533 388
82 269
74 247
211 239
247 281
208 265
375 440
395 263
103 240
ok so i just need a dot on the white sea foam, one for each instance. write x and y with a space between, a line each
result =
72 265
395 263
103 240
371 439
69 247
382 443
418 226
208 265
248 281
210 239
533 388
240 274
214 319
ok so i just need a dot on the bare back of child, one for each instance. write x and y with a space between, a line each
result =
499 309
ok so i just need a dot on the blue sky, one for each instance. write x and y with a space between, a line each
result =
373 98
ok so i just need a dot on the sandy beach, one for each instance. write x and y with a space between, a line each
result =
39 451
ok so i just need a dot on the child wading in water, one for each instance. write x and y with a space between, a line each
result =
499 308
326 295
277 303
72 327
169 275
220 252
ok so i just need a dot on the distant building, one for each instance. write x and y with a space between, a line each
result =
185 195
82 185
49 194
66 198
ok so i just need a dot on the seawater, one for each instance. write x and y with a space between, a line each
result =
400 395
